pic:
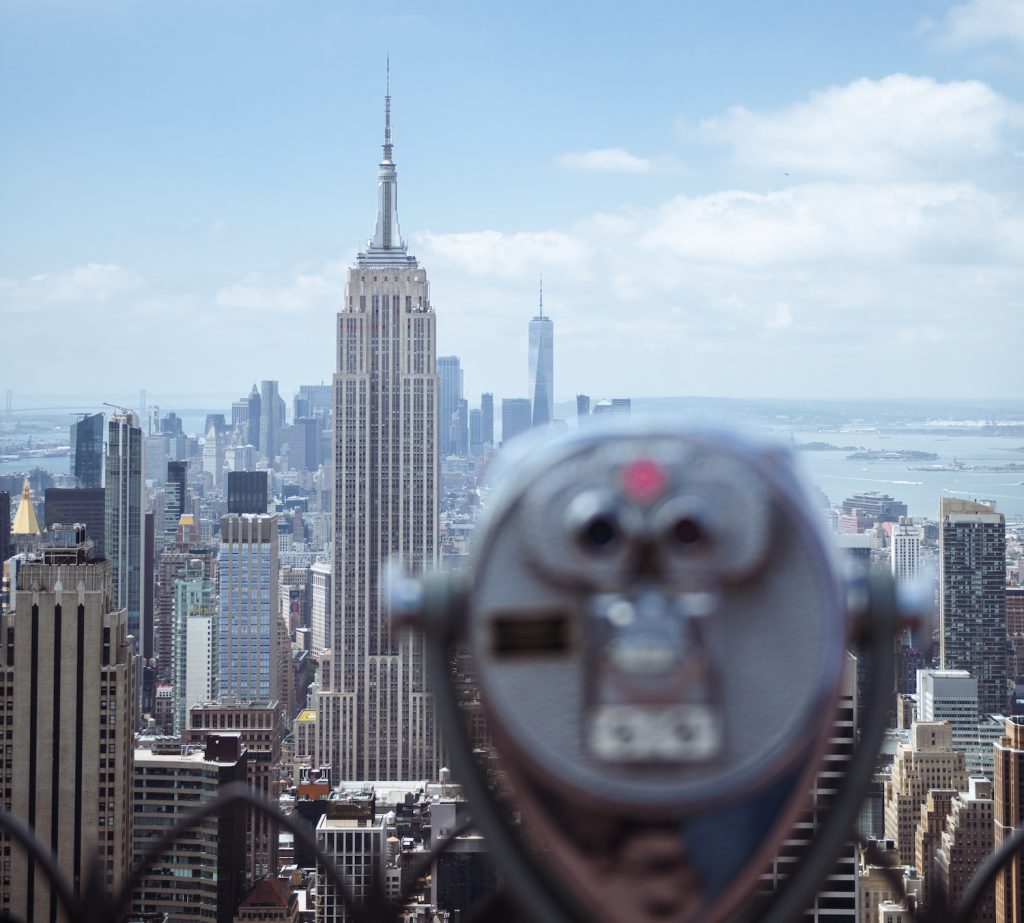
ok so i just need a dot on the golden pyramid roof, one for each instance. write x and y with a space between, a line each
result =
25 520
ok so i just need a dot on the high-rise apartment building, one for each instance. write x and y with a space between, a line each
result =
259 726
542 367
321 603
1008 811
966 842
247 637
124 518
358 844
928 836
176 562
67 697
449 374
927 762
1015 630
836 900
952 695
516 417
905 550
194 641
375 714
202 876
972 600
87 450
487 418
582 407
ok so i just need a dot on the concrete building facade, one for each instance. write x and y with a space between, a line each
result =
376 715
1008 816
201 877
927 762
67 699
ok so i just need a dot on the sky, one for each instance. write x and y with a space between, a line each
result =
736 199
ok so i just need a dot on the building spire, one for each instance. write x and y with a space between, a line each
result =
388 148
387 246
542 294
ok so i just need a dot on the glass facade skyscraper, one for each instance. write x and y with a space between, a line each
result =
87 450
542 368
124 513
247 635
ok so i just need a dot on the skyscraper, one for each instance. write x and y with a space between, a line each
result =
254 417
195 641
905 553
475 441
87 450
270 421
449 373
68 505
972 600
248 491
542 366
124 513
927 761
375 715
175 500
1009 815
487 418
836 901
247 622
952 695
200 878
515 417
966 843
67 691
5 527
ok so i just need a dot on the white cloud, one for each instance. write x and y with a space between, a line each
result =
980 22
898 127
753 292
81 287
304 290
492 253
606 159
827 222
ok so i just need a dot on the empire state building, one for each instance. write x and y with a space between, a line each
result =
375 717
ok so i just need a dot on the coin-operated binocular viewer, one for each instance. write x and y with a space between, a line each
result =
658 629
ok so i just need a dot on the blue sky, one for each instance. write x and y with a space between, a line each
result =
725 199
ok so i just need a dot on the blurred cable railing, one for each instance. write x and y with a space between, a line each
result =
94 904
